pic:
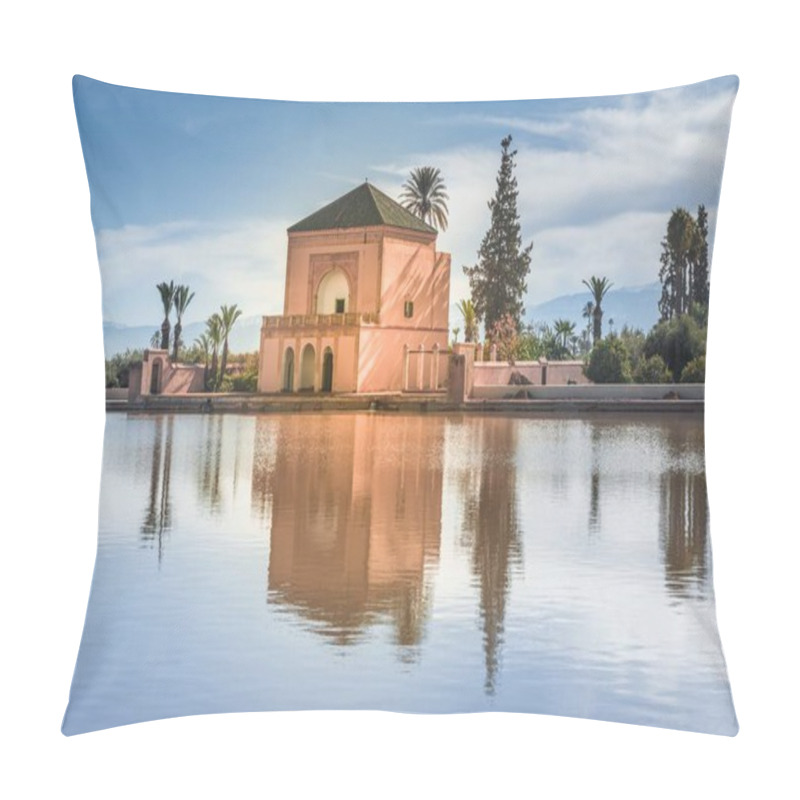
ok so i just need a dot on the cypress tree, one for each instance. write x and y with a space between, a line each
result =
701 276
498 281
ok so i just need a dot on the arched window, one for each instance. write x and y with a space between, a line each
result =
333 293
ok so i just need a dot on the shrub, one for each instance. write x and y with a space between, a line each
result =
118 368
246 382
633 339
528 347
678 341
608 362
694 371
652 370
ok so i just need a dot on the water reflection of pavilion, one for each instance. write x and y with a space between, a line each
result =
354 519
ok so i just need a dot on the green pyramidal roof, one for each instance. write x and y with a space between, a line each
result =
363 207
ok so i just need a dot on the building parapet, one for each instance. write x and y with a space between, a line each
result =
348 319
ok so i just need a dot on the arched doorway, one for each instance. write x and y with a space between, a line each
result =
155 377
288 370
307 369
327 370
333 293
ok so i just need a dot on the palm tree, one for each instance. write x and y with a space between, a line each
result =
588 314
204 343
467 309
228 317
425 195
167 292
565 329
214 333
181 301
598 287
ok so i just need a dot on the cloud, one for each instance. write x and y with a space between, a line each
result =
624 248
240 262
597 182
596 196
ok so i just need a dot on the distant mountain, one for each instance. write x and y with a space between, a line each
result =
119 338
635 306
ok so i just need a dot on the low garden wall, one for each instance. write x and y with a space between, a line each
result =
594 391
539 373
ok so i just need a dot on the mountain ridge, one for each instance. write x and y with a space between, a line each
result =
635 306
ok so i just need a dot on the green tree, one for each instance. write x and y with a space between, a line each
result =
684 269
609 362
505 336
118 368
564 330
228 316
214 333
700 277
467 309
598 287
203 344
652 370
498 281
588 315
424 194
181 301
633 339
529 347
167 292
678 341
694 371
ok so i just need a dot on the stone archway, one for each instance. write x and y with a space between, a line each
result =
333 293
327 370
288 370
307 368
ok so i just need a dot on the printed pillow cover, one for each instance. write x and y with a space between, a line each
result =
405 407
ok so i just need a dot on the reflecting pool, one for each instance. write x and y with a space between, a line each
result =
425 563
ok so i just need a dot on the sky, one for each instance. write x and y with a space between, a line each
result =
201 190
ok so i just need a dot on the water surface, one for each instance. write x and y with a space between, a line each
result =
424 563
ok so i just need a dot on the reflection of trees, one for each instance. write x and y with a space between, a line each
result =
594 492
492 527
684 539
684 509
210 462
355 504
158 516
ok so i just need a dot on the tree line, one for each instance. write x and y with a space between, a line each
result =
210 348
673 350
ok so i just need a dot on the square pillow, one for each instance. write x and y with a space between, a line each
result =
404 407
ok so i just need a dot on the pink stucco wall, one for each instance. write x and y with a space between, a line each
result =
381 357
412 270
342 343
356 251
559 373
385 268
173 378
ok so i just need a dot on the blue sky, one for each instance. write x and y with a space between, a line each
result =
201 190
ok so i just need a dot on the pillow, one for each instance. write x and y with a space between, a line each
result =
404 407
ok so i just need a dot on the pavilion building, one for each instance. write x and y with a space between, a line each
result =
366 302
